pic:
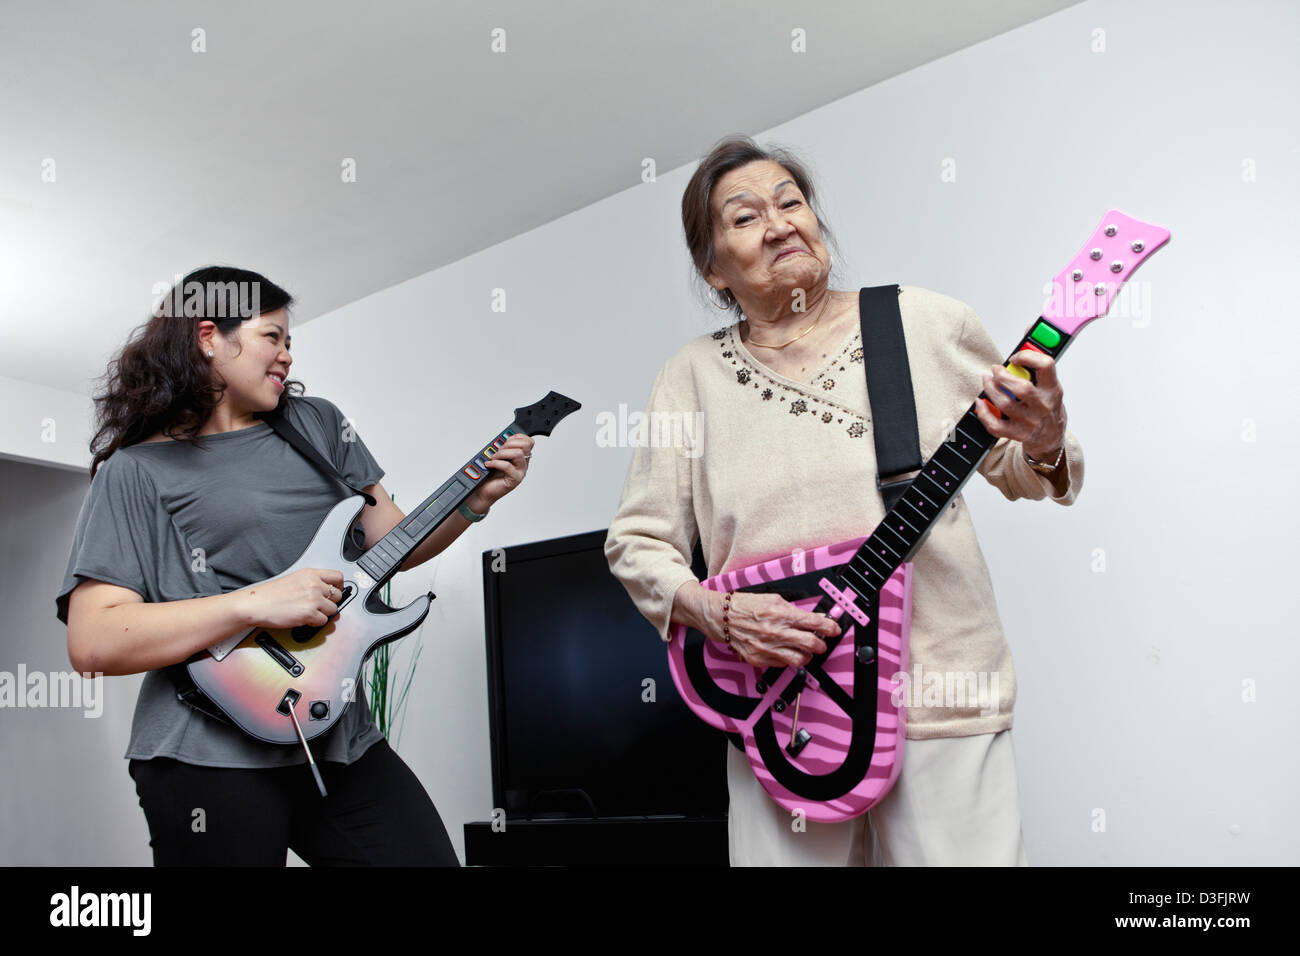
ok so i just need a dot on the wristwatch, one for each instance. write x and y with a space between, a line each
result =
1044 467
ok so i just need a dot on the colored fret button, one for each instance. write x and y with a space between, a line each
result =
1018 372
1044 334
1031 347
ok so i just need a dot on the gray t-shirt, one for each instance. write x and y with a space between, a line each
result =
252 504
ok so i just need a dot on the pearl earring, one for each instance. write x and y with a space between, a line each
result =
209 353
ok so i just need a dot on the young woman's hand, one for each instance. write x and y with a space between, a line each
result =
509 466
307 596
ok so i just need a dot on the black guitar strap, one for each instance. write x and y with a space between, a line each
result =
186 691
889 390
276 419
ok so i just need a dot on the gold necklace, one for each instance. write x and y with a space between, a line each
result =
822 311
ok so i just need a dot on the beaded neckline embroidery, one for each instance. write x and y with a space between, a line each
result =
763 383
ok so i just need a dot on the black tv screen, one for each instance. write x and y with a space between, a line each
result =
572 666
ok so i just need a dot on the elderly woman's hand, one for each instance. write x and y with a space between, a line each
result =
766 630
1036 416
509 467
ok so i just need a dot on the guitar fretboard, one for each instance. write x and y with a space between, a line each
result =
1081 292
392 550
905 526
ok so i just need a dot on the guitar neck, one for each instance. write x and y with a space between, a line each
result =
1082 292
905 526
391 551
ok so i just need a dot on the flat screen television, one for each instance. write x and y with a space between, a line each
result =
585 719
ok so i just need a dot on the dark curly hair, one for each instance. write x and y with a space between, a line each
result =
160 381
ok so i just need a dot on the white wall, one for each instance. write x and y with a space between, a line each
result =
45 425
1131 679
65 797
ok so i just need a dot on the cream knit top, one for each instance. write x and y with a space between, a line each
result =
754 464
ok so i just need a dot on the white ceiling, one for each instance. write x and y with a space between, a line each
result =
166 159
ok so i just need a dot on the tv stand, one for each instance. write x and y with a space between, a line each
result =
622 841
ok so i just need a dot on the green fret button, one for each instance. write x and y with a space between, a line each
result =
1045 335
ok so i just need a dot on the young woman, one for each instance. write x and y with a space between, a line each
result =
192 500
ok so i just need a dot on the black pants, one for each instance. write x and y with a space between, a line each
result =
376 814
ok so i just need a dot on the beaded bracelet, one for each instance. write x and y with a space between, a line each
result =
726 627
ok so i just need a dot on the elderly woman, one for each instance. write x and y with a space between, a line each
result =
787 431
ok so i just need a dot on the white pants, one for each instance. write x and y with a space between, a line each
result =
955 803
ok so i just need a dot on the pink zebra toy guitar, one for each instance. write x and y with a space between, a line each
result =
827 739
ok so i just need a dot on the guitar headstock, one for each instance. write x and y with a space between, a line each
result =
540 417
1084 289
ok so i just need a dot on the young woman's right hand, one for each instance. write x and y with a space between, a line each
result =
307 596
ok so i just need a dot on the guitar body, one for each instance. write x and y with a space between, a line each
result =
855 718
323 665
828 738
